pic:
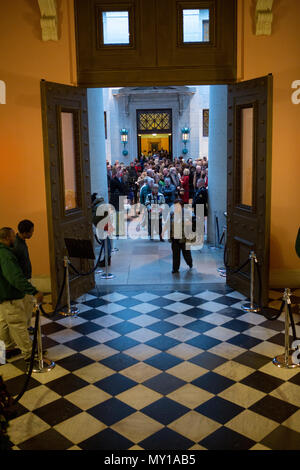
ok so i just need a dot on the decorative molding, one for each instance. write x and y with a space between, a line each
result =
264 17
2 92
49 22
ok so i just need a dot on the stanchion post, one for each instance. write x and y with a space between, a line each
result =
71 310
41 364
285 360
251 307
222 269
106 275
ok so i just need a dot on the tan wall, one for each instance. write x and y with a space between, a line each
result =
278 54
24 60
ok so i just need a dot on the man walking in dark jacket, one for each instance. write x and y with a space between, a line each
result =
25 232
13 288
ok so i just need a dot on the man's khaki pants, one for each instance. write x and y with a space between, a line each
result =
29 302
13 326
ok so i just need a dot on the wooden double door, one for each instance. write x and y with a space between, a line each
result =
67 172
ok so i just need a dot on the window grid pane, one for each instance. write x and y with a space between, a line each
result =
115 27
196 25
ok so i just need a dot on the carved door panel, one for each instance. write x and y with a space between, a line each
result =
249 181
67 173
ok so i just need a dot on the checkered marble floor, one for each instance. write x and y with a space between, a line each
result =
153 368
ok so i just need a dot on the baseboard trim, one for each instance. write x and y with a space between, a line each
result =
282 278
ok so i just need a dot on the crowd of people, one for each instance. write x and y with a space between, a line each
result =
155 181
177 179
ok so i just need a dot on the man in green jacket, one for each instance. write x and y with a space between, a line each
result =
13 288
25 232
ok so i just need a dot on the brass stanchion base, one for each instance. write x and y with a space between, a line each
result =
70 313
250 308
48 365
107 276
280 361
222 271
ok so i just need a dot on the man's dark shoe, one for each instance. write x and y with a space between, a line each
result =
12 353
175 272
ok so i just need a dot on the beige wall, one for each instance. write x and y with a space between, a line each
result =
278 54
24 60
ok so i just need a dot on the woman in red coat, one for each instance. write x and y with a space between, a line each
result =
185 184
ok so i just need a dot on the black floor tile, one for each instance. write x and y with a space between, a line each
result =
122 343
82 343
92 314
162 327
48 440
163 361
161 302
207 360
67 384
128 302
295 379
166 439
238 325
165 410
273 408
219 410
244 341
282 438
94 303
164 383
106 440
162 342
203 342
213 383
48 342
115 384
119 361
224 300
232 312
264 382
127 314
276 325
50 328
226 439
111 411
57 411
200 326
15 385
252 359
279 339
125 327
162 314
74 362
87 328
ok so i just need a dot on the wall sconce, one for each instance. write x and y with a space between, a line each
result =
124 140
185 131
2 92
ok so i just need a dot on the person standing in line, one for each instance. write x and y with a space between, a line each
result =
25 232
177 237
13 288
185 184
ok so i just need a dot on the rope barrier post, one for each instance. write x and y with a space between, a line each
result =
222 270
215 246
285 360
71 310
41 364
106 275
251 307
